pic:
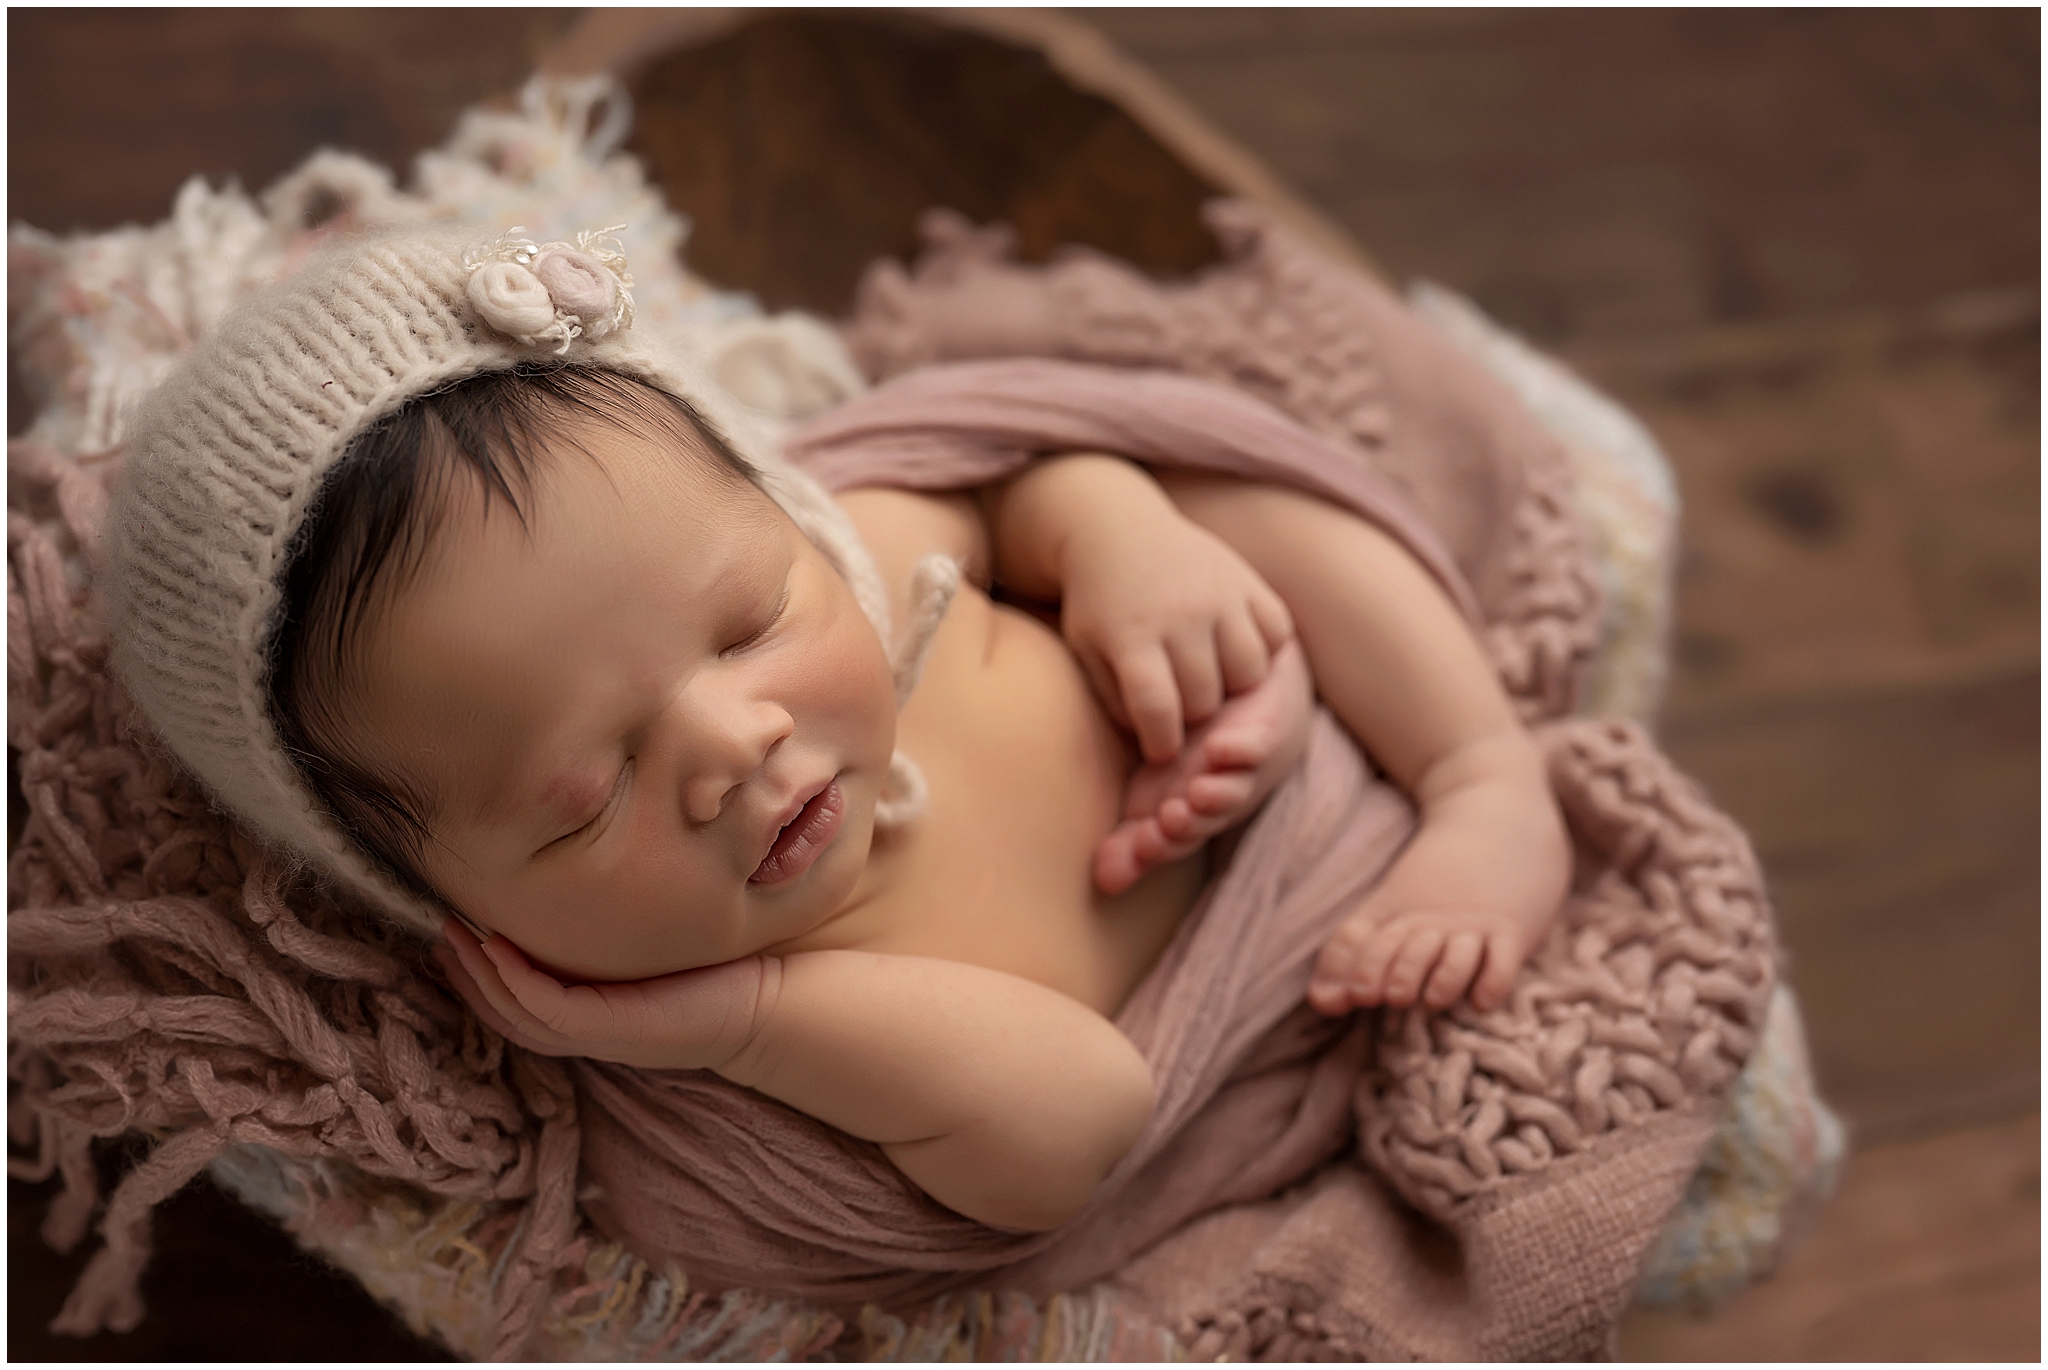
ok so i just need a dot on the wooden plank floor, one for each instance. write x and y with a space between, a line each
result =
1930 1252
1804 246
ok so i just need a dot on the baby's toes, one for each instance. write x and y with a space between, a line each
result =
1177 832
1332 987
1176 820
1244 745
1168 837
1150 787
1409 967
1213 795
1118 864
1454 972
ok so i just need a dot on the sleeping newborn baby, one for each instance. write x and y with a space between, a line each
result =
539 649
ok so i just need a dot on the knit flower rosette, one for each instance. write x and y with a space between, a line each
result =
540 293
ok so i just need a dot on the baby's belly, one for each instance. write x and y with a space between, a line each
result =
1027 775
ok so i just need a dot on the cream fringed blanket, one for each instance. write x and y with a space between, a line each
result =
166 981
1547 1142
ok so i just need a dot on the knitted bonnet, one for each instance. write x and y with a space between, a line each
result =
228 454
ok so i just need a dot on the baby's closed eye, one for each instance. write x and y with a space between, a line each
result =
762 626
590 826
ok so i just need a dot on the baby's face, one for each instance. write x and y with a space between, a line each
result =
653 725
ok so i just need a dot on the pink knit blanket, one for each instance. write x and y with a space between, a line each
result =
1433 1185
1271 1205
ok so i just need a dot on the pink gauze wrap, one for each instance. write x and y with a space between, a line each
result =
1449 1185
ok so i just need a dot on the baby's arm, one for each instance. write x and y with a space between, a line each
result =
1185 644
1165 618
1466 901
1002 1099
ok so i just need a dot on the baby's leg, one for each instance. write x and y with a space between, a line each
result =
1468 898
1225 771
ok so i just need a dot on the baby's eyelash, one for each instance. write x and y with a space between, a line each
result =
618 788
781 607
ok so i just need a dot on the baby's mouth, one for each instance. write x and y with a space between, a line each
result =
803 838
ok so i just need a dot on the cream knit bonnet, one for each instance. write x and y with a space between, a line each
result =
228 454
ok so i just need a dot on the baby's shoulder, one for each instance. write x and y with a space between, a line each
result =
899 527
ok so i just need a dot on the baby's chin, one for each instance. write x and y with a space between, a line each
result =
800 918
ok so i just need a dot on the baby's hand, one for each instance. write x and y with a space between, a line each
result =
1168 621
691 1019
1460 909
1227 769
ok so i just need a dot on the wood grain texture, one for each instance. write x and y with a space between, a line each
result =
806 144
1593 172
1861 493
111 110
1931 1252
1898 830
1588 173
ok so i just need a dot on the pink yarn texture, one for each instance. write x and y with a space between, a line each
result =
578 283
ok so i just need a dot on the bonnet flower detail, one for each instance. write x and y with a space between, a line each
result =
513 300
540 293
580 285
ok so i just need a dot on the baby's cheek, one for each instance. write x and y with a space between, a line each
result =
861 688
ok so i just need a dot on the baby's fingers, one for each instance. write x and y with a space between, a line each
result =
1270 612
1116 864
474 976
1352 967
472 993
1242 653
1410 965
1176 823
1198 675
1141 845
1176 832
541 999
1147 682
1103 677
1453 974
1503 961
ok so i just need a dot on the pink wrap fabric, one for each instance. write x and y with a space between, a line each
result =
1454 1185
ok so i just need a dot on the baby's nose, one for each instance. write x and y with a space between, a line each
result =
727 748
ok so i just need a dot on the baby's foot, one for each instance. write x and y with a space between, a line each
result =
1225 771
1458 913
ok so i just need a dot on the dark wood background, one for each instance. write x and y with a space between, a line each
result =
1804 246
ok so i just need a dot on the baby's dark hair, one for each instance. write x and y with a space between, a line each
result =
369 529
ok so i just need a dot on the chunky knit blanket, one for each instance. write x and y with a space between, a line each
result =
170 983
